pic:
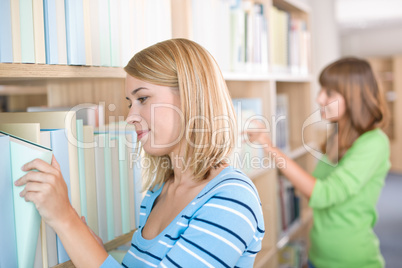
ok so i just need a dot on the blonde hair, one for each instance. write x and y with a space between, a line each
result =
205 103
365 102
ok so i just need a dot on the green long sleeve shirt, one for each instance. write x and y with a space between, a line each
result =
344 205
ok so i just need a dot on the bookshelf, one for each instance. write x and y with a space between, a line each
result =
63 85
388 71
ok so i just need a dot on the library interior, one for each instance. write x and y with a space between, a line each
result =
62 93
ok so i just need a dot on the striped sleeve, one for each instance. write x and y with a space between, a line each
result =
226 228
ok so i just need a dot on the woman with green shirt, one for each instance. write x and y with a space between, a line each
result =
346 184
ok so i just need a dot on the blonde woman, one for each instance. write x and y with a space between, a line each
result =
198 211
345 186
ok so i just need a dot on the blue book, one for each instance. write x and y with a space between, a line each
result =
50 20
75 32
6 43
8 240
59 144
27 32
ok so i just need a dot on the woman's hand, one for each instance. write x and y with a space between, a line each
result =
258 133
47 189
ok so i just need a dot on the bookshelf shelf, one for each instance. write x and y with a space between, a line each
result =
266 255
20 71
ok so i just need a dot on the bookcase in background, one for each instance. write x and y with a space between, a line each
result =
268 55
273 62
388 71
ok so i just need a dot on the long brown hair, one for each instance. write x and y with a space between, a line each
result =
365 103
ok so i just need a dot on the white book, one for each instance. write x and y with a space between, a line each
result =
127 40
61 32
87 32
39 31
90 175
95 38
115 32
114 149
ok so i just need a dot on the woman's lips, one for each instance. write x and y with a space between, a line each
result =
141 134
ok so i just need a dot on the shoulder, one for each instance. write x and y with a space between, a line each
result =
375 141
231 182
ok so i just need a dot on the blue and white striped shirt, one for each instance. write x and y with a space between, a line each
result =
222 227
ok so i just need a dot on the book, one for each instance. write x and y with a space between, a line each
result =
30 132
39 31
61 32
21 152
105 55
55 120
101 186
27 32
90 175
87 32
47 234
115 32
16 30
281 126
6 41
75 32
81 168
8 240
59 145
95 32
50 25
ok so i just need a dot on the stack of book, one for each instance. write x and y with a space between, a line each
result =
81 32
102 171
290 42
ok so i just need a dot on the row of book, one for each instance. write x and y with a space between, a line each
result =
290 42
288 205
241 28
81 32
102 171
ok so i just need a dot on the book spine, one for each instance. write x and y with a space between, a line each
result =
6 44
27 32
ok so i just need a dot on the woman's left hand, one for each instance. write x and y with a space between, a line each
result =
47 189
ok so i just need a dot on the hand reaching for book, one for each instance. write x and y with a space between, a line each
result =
46 188
258 133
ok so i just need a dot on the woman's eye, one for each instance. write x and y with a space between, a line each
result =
142 99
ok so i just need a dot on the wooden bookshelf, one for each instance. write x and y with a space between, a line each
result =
388 71
13 72
71 85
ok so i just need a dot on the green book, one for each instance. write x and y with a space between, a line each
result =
27 218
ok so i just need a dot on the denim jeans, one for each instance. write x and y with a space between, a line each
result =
310 265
